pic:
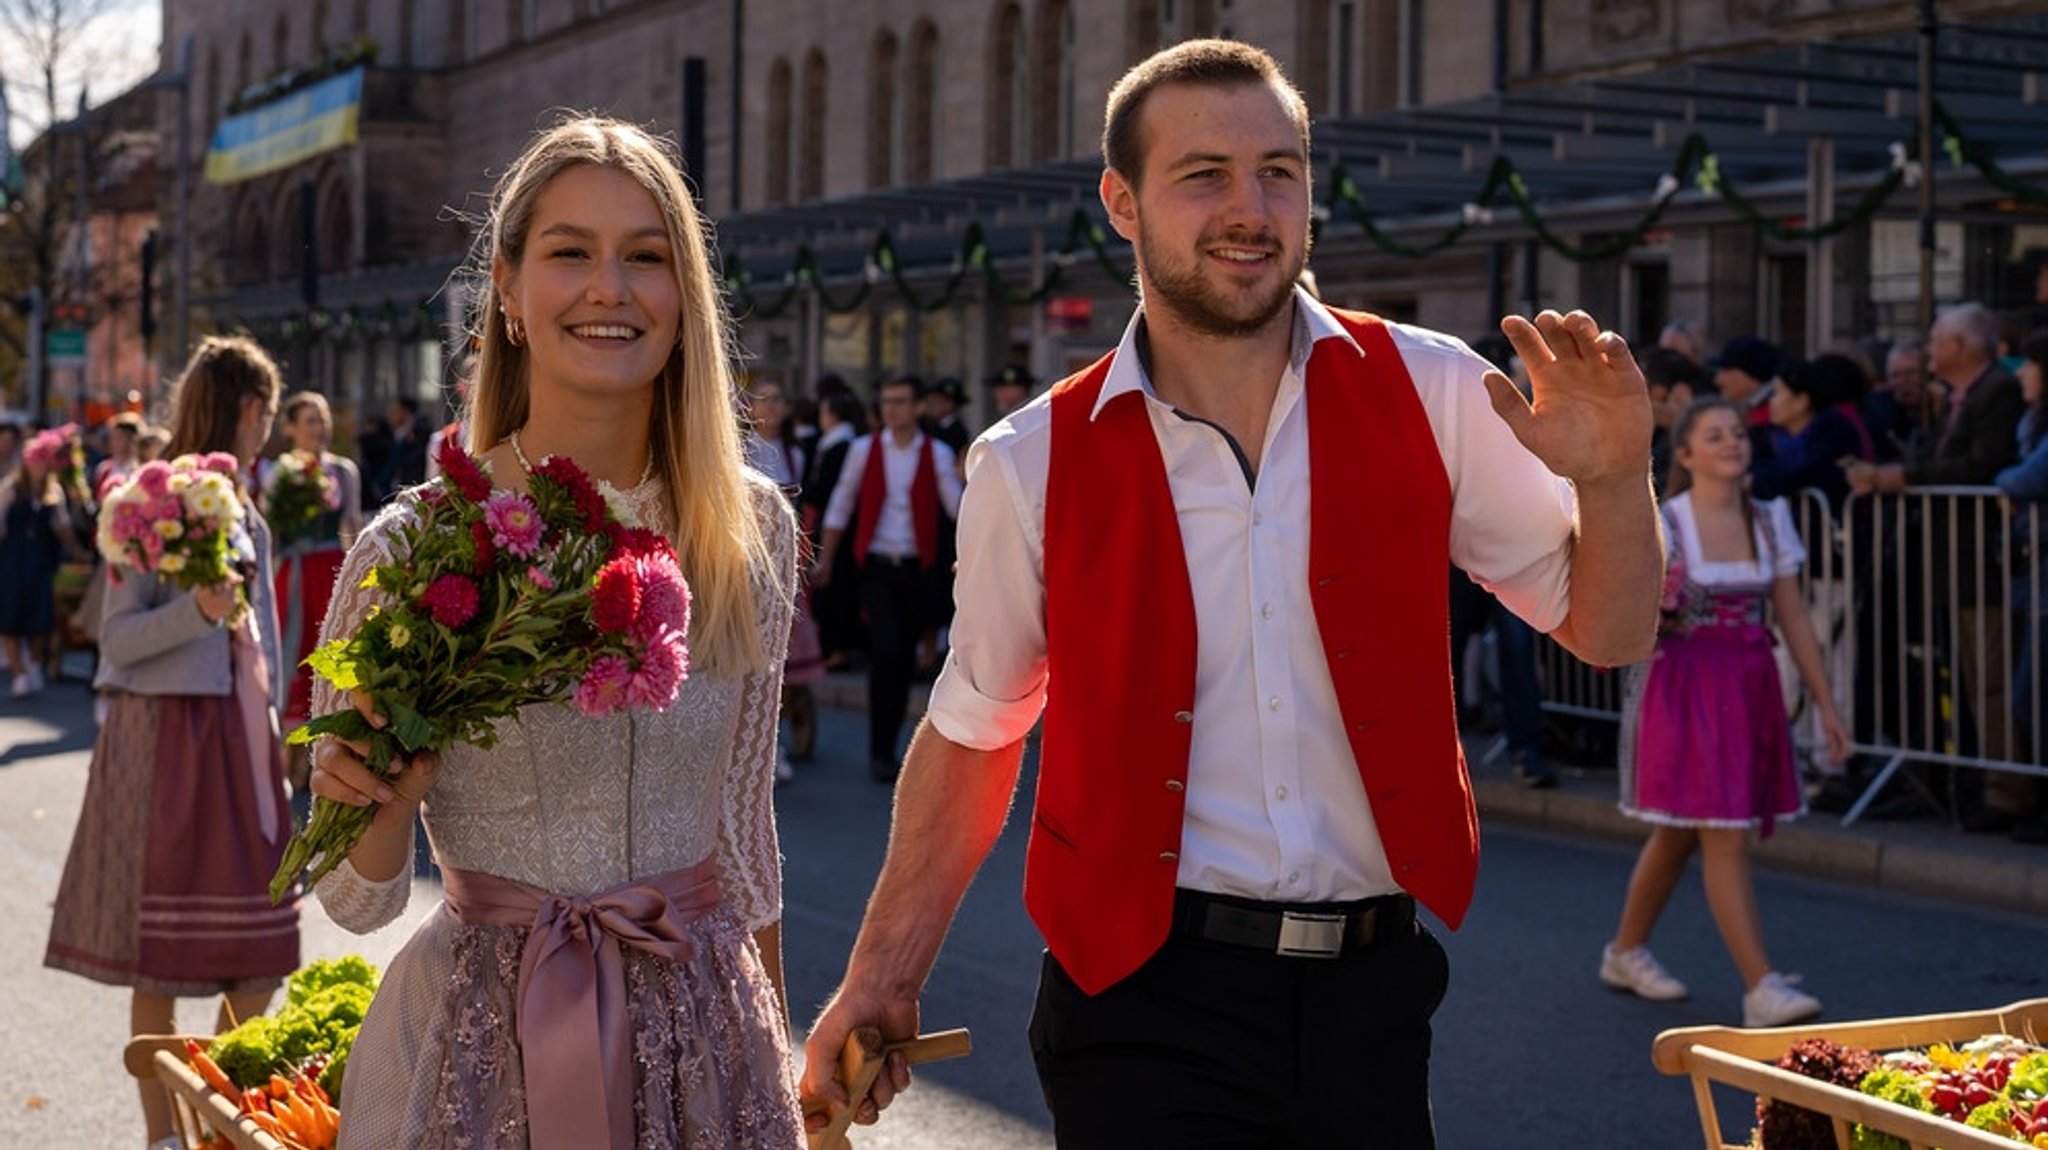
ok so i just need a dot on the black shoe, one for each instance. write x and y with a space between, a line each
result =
1532 772
884 771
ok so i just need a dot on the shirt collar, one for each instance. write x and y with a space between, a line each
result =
1313 324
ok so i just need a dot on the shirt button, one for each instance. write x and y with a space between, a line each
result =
1280 793
1168 856
1295 878
1175 785
1258 520
1183 716
1265 610
1273 703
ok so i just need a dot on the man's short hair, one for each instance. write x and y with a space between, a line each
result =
1975 323
1202 63
913 382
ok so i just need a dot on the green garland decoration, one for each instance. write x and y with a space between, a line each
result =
1696 165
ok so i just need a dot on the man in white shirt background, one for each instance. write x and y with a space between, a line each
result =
1250 773
892 492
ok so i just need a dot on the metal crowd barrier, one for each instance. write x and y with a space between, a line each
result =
1928 607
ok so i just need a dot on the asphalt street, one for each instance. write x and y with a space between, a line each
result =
1531 1050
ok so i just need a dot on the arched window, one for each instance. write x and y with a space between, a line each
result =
1009 71
281 44
1141 29
1052 73
465 18
922 124
209 110
810 165
244 66
360 26
250 255
779 135
409 53
522 17
882 111
319 27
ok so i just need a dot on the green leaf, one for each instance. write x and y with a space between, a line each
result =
408 726
348 725
335 663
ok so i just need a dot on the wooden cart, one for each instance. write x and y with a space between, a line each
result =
195 1107
1744 1059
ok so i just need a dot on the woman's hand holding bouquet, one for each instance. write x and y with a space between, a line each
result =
494 601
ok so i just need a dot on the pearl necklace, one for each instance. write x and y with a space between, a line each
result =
526 464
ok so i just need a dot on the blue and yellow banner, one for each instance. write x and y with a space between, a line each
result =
282 133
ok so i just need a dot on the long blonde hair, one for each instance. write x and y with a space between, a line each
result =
695 440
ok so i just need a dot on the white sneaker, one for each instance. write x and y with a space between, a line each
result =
23 686
35 679
1637 971
1774 1002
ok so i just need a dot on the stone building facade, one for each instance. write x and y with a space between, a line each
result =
813 126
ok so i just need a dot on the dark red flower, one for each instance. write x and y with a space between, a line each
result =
451 599
485 552
615 602
462 471
589 504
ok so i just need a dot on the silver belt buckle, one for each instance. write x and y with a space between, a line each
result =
1304 935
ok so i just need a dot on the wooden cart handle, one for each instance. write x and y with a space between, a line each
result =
861 1061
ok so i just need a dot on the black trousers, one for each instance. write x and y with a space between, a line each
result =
897 601
1220 1047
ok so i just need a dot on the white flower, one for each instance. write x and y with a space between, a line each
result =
169 528
205 501
171 563
620 506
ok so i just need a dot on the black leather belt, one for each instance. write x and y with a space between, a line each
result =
1296 930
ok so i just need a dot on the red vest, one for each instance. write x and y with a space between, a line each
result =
1121 645
924 503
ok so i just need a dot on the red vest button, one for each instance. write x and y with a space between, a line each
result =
1168 856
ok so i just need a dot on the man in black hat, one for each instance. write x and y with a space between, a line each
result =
1010 388
1745 371
941 414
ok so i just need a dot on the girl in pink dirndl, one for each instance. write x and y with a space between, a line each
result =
184 818
1706 750
602 341
307 564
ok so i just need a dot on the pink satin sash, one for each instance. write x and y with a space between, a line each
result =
574 1034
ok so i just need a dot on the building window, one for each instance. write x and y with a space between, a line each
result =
361 24
810 168
1052 69
467 15
525 19
922 124
320 27
244 66
280 44
1343 57
408 52
882 111
1007 101
210 91
779 135
1411 53
1141 29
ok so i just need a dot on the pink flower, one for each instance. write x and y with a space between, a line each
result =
220 461
540 578
664 598
153 478
451 599
604 686
515 523
662 667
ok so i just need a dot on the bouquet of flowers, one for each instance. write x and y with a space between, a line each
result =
495 601
59 449
299 492
173 519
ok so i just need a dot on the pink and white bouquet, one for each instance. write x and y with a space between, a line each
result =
60 449
298 493
494 601
173 519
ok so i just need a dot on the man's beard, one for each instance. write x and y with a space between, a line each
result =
1182 290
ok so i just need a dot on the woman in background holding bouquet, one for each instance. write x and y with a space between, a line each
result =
313 501
603 341
184 816
35 534
1706 750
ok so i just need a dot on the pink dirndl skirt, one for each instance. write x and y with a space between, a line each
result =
1710 743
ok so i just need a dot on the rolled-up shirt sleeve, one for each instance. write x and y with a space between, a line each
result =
993 686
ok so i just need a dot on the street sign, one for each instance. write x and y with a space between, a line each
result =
65 347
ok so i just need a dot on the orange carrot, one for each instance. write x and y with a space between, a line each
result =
209 1071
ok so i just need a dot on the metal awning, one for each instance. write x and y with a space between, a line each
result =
1592 154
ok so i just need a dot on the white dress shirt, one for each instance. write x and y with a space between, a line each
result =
1275 807
895 533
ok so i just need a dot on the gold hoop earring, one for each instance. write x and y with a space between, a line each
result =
515 330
